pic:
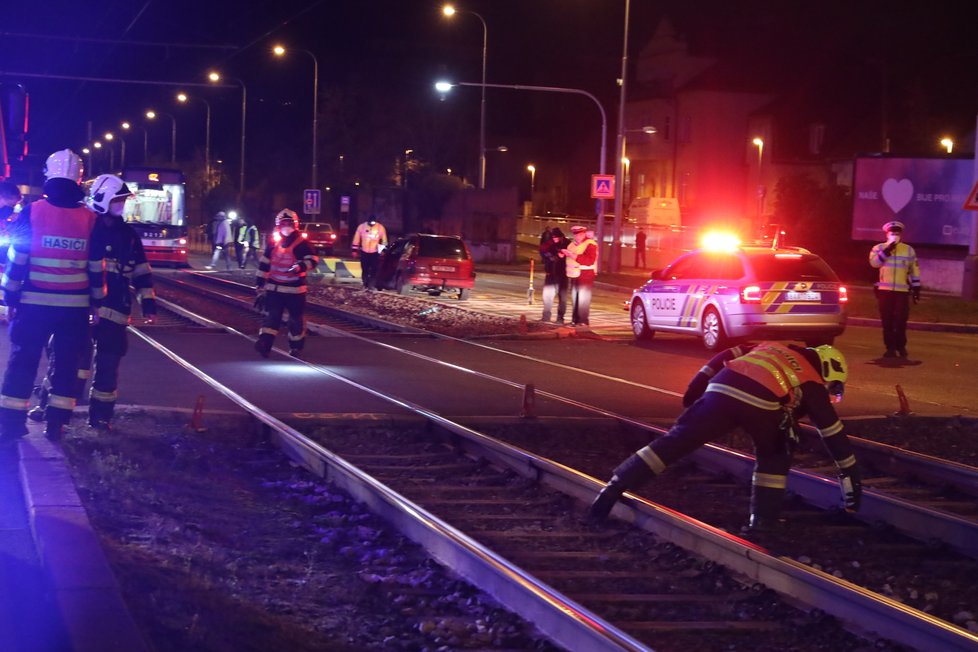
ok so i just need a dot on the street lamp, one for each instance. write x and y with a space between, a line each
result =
216 77
615 262
759 142
183 98
108 137
444 87
450 11
280 51
173 132
126 127
947 144
532 169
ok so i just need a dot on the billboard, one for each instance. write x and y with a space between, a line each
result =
926 194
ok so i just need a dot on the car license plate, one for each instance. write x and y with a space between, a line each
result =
443 268
804 296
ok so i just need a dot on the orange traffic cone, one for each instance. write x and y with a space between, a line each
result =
197 420
904 410
529 401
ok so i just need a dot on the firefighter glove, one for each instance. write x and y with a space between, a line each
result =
850 482
888 250
295 269
915 293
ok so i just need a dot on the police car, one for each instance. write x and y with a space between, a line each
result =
727 292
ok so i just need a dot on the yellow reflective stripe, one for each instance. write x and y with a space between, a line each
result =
743 396
773 369
111 266
96 266
11 285
63 300
84 373
834 429
66 263
14 403
80 277
708 371
113 315
145 293
107 397
99 292
268 331
847 462
286 289
770 480
653 461
63 402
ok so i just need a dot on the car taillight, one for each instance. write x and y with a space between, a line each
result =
332 236
843 294
182 241
305 235
750 294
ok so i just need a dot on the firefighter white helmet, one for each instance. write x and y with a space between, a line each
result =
64 164
287 217
104 189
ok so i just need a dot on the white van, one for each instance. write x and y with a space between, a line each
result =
654 211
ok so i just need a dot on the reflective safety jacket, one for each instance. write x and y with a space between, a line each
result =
53 262
125 266
899 271
759 386
369 238
586 258
283 266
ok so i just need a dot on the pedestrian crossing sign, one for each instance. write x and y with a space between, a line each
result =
602 186
971 204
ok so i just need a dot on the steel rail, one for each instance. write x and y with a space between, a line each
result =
555 614
921 523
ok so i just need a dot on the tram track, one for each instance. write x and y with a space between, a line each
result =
638 510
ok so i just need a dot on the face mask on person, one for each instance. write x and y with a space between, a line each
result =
892 238
286 231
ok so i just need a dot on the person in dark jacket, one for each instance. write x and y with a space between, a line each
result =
10 196
281 284
763 388
555 270
52 280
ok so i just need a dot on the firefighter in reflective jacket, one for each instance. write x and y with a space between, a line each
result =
125 266
53 278
281 284
763 389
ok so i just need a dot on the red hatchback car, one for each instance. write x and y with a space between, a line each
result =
429 263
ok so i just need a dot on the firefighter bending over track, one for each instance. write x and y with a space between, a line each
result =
762 388
281 284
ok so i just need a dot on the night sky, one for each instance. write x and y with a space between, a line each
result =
387 54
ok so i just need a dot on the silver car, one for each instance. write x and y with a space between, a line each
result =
744 293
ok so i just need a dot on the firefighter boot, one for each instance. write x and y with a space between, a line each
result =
263 346
765 508
100 414
54 429
36 414
630 474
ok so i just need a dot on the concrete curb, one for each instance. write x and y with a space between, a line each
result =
87 595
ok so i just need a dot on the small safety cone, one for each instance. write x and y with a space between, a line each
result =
197 420
904 410
523 329
529 401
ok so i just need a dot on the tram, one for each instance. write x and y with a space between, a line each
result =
157 210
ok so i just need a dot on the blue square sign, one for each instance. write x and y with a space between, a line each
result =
311 202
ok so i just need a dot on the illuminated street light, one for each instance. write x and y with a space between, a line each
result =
279 51
152 115
533 178
947 144
126 127
183 98
216 77
759 142
450 11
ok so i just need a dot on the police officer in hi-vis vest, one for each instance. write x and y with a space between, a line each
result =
281 284
899 281
762 388
51 282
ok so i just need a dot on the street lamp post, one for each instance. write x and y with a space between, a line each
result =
109 136
449 10
183 98
759 143
947 144
126 127
216 77
532 169
173 132
615 262
443 87
280 51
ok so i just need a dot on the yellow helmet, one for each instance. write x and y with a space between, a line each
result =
834 369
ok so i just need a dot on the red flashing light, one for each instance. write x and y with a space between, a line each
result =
305 235
332 236
843 294
750 294
791 256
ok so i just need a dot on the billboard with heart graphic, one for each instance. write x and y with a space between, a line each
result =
926 194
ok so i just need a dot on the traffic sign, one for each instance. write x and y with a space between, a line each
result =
602 186
311 202
344 203
971 203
